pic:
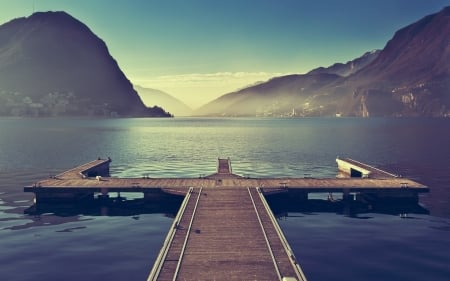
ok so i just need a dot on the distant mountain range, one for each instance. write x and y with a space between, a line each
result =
409 77
349 68
53 65
152 97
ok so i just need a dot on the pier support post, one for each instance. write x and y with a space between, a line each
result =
104 193
346 196
104 211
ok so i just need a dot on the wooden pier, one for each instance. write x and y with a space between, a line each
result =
225 234
93 178
225 229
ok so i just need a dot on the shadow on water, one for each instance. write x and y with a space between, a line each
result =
118 206
281 205
64 212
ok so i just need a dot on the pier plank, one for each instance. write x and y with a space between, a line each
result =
311 184
226 241
225 231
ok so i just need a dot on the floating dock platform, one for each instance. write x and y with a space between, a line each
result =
93 178
225 229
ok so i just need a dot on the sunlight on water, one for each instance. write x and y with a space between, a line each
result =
98 242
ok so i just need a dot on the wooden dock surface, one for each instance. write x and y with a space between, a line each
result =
226 234
224 166
224 229
76 179
140 184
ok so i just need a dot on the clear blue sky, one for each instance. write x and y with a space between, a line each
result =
197 50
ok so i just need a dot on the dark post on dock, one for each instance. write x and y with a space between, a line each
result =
225 229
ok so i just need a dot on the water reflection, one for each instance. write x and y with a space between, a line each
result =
282 205
43 214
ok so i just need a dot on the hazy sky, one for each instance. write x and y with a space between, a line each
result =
197 50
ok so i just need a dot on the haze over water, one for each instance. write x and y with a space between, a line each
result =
93 242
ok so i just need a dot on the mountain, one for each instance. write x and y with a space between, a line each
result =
349 68
279 96
409 77
152 97
53 65
287 95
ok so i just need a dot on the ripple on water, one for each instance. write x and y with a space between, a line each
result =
86 248
328 245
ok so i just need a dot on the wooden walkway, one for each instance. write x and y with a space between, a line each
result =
83 178
225 234
141 185
224 166
224 229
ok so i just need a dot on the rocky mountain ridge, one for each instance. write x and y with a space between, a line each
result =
409 77
350 67
53 65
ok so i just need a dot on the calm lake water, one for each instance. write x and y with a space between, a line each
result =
100 243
